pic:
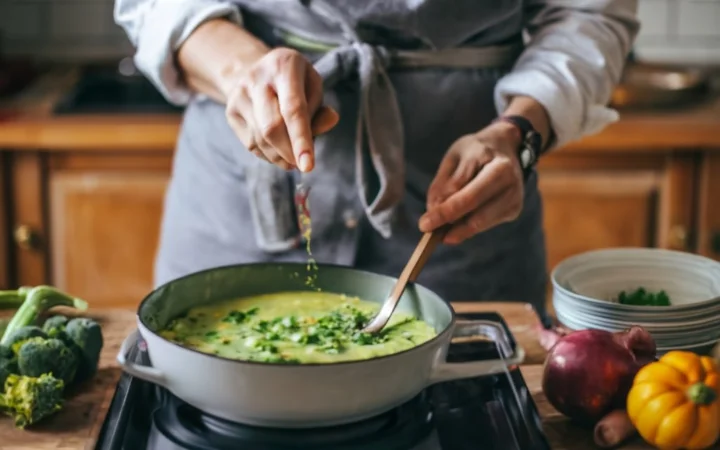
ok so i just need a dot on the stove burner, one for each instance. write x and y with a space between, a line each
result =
180 426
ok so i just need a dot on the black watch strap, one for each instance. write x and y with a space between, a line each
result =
531 146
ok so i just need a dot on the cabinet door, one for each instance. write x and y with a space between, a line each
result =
594 203
709 206
104 233
27 174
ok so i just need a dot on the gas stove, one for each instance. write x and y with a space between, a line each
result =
493 412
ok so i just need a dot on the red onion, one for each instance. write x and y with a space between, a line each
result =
589 373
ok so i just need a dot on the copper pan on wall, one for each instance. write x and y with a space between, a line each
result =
654 86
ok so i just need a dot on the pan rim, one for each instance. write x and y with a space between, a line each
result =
426 344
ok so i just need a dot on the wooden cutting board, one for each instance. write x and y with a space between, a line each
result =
78 425
561 433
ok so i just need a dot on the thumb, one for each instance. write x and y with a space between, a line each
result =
324 120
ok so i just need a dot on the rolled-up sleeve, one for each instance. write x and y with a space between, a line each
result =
574 58
157 28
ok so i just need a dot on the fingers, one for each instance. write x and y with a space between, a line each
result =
438 191
456 170
504 207
290 88
271 106
270 131
495 177
240 118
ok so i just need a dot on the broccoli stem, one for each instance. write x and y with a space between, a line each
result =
38 300
13 299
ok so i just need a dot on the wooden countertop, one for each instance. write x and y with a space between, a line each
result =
561 433
27 123
78 425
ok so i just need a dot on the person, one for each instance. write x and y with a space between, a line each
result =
401 116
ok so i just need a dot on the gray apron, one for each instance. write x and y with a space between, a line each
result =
408 79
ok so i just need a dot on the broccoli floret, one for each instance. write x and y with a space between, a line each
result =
8 364
55 326
16 339
38 300
87 336
28 400
39 356
5 351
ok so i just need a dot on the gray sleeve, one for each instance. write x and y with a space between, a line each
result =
157 28
575 57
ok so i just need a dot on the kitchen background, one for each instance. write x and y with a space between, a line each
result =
674 30
85 155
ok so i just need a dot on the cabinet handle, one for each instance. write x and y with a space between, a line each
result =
26 238
678 237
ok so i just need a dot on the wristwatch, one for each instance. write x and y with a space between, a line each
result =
531 146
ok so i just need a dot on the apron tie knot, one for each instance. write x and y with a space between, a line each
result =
380 171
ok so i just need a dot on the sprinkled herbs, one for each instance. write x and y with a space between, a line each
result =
238 317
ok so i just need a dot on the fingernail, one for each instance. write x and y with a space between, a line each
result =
305 162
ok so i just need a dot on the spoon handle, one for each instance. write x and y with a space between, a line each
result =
412 269
417 260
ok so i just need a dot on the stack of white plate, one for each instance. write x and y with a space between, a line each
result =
586 287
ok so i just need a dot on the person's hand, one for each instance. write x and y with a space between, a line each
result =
275 108
479 184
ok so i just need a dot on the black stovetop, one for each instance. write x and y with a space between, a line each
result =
483 413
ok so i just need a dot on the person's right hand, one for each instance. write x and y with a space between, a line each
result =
275 108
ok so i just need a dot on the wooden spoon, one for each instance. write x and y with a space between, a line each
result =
409 274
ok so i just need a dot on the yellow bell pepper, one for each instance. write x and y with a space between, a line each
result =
674 403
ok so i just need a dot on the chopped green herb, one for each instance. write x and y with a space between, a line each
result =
641 297
238 317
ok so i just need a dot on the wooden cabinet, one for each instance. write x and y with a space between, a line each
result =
104 232
88 220
89 225
602 201
709 206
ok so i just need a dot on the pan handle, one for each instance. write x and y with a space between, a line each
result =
138 370
444 371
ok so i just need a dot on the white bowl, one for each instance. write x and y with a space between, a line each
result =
586 285
692 282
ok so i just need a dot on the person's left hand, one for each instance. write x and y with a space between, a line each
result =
479 184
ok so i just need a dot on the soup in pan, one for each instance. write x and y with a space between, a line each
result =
295 328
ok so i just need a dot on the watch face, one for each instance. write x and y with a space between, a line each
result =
526 157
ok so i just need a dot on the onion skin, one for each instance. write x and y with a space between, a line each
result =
588 373
549 337
613 429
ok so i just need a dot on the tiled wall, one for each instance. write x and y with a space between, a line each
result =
680 31
674 30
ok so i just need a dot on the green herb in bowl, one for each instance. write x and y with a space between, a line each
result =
641 297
